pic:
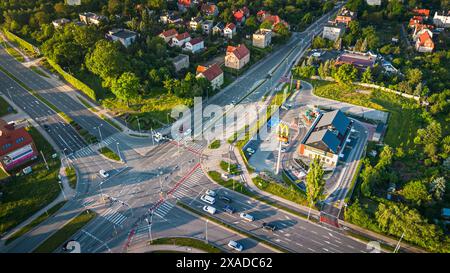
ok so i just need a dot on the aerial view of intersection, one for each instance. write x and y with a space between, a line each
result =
194 126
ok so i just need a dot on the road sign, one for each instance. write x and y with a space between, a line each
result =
273 122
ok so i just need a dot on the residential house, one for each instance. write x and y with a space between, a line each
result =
229 31
195 22
237 57
209 9
180 39
442 19
241 15
415 21
333 32
16 146
345 16
170 18
359 60
424 41
218 29
92 18
212 73
181 62
195 45
73 2
207 26
261 15
184 5
124 36
262 38
60 22
327 137
168 35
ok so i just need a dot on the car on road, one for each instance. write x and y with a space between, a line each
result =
268 226
229 209
188 132
103 173
208 199
283 150
225 199
250 151
209 209
46 127
235 245
247 217
211 193
233 102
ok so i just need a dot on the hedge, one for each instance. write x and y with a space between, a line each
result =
73 81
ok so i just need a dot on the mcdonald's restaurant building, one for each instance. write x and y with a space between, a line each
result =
327 137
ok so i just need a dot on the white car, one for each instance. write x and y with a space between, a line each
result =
247 217
235 245
210 193
250 151
103 174
209 209
208 199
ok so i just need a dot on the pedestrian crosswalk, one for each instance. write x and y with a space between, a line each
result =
90 150
163 209
185 188
115 217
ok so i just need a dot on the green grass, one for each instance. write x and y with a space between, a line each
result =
38 71
4 108
3 174
233 167
11 51
112 123
290 193
189 242
72 177
63 234
24 195
44 216
109 153
215 144
404 119
216 176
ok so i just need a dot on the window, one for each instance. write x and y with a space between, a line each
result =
6 146
19 140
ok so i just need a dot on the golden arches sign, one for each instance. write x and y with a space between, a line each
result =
283 132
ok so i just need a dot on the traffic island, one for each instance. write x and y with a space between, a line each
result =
186 242
108 153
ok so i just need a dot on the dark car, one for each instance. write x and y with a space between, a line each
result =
46 127
270 227
225 199
229 209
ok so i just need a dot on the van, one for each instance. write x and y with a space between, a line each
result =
209 209
208 199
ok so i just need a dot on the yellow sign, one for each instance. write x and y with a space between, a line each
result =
283 130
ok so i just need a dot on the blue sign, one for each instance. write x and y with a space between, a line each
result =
273 122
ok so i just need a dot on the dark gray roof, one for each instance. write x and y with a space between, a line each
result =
324 138
124 33
335 118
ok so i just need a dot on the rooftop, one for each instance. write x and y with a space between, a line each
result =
12 138
122 33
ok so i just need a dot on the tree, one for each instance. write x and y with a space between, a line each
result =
416 192
106 60
251 24
319 42
346 74
266 24
126 87
438 188
367 76
314 181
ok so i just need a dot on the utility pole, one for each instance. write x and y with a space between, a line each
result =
118 151
277 170
397 247
100 132
206 230
153 136
46 164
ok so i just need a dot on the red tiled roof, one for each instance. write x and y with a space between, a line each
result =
182 36
186 3
240 51
212 72
424 38
230 26
423 12
238 15
170 32
196 41
209 8
9 136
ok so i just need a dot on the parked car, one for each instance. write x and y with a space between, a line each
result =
247 217
235 245
229 209
250 151
211 193
103 173
208 199
225 199
209 209
270 227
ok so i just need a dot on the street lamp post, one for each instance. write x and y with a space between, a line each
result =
118 151
139 124
206 230
62 190
99 132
